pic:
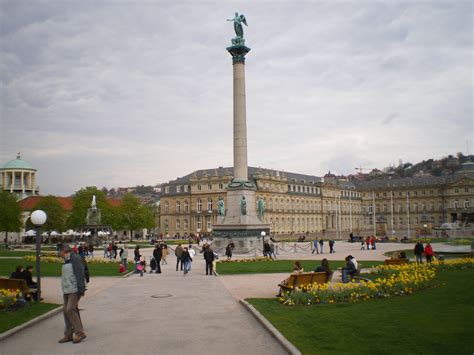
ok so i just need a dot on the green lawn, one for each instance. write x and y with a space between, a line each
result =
434 321
7 266
266 267
11 319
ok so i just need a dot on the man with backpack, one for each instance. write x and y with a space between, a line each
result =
179 254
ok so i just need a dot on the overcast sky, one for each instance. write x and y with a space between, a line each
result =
120 93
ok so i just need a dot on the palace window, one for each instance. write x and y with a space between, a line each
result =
208 223
209 204
199 205
178 188
167 207
167 189
455 204
186 206
221 186
178 224
466 203
178 206
185 188
466 189
456 190
185 224
209 187
199 187
198 223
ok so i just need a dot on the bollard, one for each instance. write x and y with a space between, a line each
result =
255 251
295 247
276 249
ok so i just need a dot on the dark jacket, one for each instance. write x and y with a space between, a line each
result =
419 249
186 257
18 275
157 254
209 255
178 251
79 271
29 278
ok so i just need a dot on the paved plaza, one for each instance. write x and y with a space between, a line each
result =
170 313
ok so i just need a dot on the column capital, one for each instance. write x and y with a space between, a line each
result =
238 53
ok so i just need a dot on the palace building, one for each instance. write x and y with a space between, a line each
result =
298 204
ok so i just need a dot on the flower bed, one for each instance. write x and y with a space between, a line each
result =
257 259
8 298
394 280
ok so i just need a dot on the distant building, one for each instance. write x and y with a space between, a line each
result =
19 177
300 204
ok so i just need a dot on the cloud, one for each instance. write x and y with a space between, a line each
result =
118 93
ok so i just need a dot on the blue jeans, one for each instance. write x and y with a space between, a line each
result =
187 266
346 274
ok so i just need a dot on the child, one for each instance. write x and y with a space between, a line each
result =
140 269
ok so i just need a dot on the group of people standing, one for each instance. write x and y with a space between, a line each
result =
369 243
318 246
420 250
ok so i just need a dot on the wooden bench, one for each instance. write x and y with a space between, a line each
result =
396 261
17 284
304 279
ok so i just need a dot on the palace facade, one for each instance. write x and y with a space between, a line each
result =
304 204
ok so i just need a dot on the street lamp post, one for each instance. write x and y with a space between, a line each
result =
38 218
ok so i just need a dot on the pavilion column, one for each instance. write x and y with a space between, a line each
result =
12 181
22 180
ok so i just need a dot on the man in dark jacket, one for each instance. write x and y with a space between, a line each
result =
157 254
73 284
179 253
419 252
209 257
18 273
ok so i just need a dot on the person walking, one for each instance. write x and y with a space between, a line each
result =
321 243
315 246
73 284
178 252
157 254
192 254
419 252
331 246
164 253
209 257
186 259
124 256
429 253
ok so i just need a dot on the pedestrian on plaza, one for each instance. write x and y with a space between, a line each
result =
157 254
321 243
367 242
164 253
73 284
372 242
419 249
429 253
272 250
209 257
91 250
114 249
75 248
315 246
124 256
110 251
105 250
178 252
192 253
266 249
228 251
186 259
331 246
136 257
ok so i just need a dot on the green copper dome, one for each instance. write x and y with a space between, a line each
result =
17 163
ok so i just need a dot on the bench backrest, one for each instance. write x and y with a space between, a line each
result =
395 261
14 284
308 278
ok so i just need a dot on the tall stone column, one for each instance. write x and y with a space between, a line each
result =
240 124
238 53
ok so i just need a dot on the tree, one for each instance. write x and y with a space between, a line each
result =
10 213
135 215
57 215
82 201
